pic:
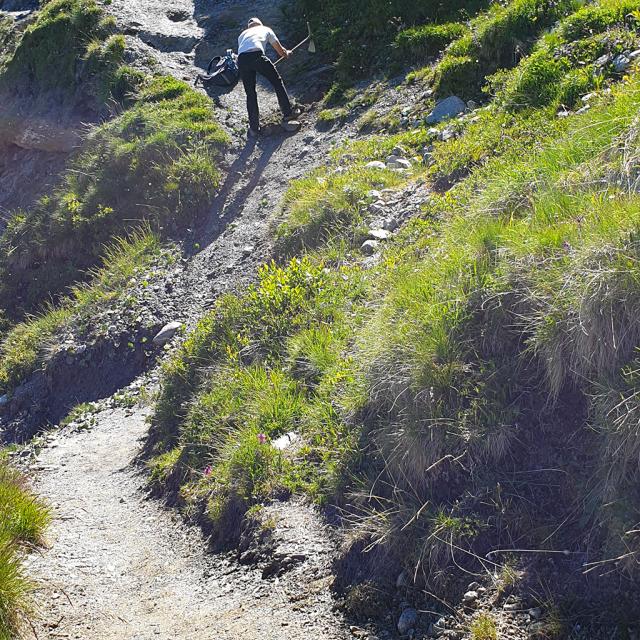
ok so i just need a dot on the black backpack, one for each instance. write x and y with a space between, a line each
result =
222 72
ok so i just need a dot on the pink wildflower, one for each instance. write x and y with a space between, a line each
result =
262 438
207 470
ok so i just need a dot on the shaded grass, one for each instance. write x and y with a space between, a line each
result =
25 347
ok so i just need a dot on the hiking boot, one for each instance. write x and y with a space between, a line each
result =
296 112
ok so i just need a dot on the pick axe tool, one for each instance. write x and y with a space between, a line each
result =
308 40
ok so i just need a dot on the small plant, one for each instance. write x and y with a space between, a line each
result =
484 627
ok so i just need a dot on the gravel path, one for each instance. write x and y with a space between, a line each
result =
122 567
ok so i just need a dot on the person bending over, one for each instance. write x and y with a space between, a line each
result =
252 60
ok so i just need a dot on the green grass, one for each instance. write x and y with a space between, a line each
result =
484 627
496 340
23 522
361 37
277 356
155 163
70 50
25 348
329 204
419 43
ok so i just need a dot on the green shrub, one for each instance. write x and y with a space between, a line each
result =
262 365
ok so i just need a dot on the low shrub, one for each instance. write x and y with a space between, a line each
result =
261 366
417 44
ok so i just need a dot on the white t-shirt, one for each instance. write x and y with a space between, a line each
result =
255 39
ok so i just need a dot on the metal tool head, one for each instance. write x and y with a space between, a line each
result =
312 44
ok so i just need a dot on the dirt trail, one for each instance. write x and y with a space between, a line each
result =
121 567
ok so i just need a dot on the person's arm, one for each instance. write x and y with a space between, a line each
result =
280 50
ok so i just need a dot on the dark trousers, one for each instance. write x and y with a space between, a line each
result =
256 62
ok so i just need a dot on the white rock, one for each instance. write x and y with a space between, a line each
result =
377 209
376 164
621 63
394 162
369 247
379 234
374 194
390 224
445 109
470 596
166 333
634 54
285 441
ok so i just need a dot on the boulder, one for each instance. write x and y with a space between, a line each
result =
376 164
390 224
166 333
621 63
379 234
446 109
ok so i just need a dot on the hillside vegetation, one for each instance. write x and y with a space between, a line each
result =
472 393
22 525
154 164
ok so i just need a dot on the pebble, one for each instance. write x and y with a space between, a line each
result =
379 234
407 621
369 247
166 333
470 597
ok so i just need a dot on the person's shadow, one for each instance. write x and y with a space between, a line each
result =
230 201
